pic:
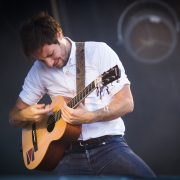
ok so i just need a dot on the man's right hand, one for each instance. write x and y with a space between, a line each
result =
23 114
35 113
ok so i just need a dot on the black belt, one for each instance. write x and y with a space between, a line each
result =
82 146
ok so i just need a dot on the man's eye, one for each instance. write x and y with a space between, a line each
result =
50 55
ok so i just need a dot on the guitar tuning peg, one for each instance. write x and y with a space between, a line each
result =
107 89
97 91
117 81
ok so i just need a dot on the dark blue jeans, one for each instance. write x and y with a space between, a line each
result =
112 158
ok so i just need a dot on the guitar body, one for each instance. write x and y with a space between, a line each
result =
50 144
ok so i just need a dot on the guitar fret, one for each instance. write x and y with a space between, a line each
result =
86 91
70 103
77 99
93 85
81 95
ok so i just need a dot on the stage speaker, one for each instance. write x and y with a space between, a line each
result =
148 30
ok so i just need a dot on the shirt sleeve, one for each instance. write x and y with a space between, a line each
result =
108 59
32 89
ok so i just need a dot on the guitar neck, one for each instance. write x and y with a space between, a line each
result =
102 80
73 103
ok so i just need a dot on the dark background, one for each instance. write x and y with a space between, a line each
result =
153 127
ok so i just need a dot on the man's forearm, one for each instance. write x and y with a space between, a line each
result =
121 104
114 110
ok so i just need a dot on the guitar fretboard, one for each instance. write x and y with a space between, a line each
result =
81 95
105 78
75 101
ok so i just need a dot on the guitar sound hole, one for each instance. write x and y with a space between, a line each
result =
50 127
51 123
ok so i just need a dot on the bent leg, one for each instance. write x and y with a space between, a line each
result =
116 158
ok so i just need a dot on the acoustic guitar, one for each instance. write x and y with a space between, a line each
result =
44 143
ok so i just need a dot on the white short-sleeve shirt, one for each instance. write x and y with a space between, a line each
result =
99 57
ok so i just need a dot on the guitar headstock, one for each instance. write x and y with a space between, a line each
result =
111 75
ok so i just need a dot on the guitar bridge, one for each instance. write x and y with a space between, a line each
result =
34 137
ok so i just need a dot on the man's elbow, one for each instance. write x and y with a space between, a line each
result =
11 119
130 105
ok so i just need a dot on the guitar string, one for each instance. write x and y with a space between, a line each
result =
79 97
84 93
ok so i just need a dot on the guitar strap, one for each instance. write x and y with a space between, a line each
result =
80 67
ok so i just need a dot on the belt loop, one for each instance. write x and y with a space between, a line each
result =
82 145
